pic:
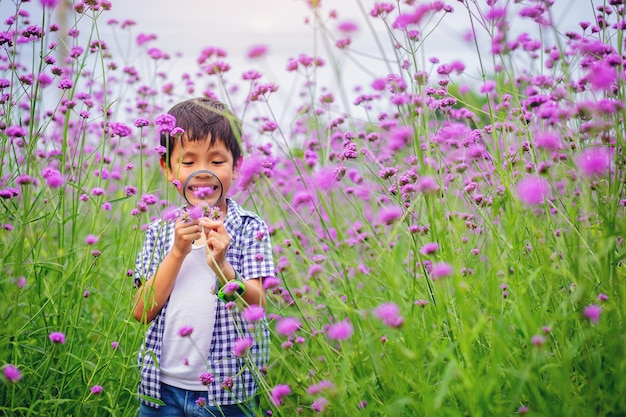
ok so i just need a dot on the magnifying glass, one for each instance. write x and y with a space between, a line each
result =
202 189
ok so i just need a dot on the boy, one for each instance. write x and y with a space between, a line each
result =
199 366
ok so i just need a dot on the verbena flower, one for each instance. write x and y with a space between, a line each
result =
441 270
341 330
389 313
287 326
538 340
97 389
321 386
241 346
253 313
49 3
57 337
390 214
429 248
592 312
228 383
207 378
215 213
11 373
278 393
185 331
533 190
165 123
593 162
201 402
320 404
257 51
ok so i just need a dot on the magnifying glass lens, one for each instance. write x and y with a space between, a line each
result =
203 189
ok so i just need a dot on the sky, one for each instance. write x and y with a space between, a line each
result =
185 27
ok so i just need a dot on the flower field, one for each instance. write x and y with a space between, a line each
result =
448 240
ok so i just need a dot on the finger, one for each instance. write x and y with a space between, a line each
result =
216 225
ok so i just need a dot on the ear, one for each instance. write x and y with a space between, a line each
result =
236 167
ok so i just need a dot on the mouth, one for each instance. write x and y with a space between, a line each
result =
202 190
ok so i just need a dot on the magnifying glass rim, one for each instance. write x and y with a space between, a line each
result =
202 171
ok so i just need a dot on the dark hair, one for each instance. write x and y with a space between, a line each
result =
203 117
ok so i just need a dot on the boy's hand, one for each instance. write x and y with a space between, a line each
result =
185 232
217 243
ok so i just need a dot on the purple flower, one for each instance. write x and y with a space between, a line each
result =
65 84
120 129
288 326
390 214
25 180
49 3
427 185
257 51
114 345
207 378
57 337
592 312
421 302
601 75
487 86
341 330
278 393
91 239
228 383
320 404
389 313
11 373
429 248
185 331
130 190
253 313
593 162
194 212
53 177
533 190
201 402
549 141
241 346
538 340
21 283
170 213
97 191
319 387
271 282
96 389
441 270
232 287
399 137
165 123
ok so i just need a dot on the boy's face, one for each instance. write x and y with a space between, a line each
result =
194 156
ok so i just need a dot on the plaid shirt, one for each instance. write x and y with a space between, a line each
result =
250 253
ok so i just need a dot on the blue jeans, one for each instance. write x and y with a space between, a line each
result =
180 402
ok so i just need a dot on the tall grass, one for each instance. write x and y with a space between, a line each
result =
444 247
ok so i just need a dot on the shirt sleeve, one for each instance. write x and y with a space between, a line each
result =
257 259
151 254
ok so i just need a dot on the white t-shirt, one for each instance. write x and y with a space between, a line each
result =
191 303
